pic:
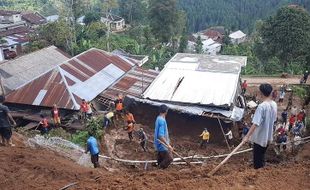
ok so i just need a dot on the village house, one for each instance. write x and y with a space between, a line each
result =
214 35
33 19
237 37
115 22
14 29
200 90
94 75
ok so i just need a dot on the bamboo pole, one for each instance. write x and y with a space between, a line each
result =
224 134
226 159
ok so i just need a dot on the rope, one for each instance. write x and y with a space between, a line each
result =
175 160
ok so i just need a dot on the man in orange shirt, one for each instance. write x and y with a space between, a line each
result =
56 115
119 106
130 124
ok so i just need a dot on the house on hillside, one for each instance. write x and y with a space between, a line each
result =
33 19
199 89
94 75
14 29
214 35
115 22
237 37
52 18
211 47
17 72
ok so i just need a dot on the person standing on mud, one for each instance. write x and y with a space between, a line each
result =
93 148
161 139
6 122
205 138
56 116
142 138
261 131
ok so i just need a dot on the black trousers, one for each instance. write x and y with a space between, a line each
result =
259 156
95 160
164 159
143 145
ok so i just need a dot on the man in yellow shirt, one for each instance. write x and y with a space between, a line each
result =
205 138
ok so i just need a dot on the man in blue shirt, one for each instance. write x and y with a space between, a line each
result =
161 139
93 148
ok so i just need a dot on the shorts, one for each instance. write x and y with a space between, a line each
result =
6 132
56 120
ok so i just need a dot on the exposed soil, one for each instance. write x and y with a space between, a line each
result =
26 168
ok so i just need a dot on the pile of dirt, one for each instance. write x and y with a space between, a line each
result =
26 168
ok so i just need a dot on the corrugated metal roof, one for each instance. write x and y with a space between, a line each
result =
82 77
132 83
23 69
238 34
198 79
33 18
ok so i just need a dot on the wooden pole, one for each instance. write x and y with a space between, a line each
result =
2 87
224 134
225 160
174 152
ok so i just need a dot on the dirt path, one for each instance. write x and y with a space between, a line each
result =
273 80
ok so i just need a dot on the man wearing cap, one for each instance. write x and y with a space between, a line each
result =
261 131
161 139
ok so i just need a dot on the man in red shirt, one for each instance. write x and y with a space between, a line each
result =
44 124
56 115
301 116
84 109
292 121
244 86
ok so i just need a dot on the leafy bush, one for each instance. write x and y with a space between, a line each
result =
94 126
300 91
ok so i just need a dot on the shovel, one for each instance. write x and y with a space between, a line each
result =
174 152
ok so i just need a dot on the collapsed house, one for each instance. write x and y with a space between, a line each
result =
94 75
199 89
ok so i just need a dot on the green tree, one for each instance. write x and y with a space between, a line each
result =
91 17
134 11
287 34
198 47
183 43
164 19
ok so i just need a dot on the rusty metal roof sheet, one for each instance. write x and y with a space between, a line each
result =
82 77
133 83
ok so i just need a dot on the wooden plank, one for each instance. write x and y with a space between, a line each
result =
31 125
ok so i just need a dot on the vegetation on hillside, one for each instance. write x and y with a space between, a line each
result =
278 43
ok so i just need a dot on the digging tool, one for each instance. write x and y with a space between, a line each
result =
225 160
174 152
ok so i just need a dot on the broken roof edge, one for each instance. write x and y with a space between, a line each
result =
189 109
236 114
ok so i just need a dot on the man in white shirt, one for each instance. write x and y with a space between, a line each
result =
261 132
